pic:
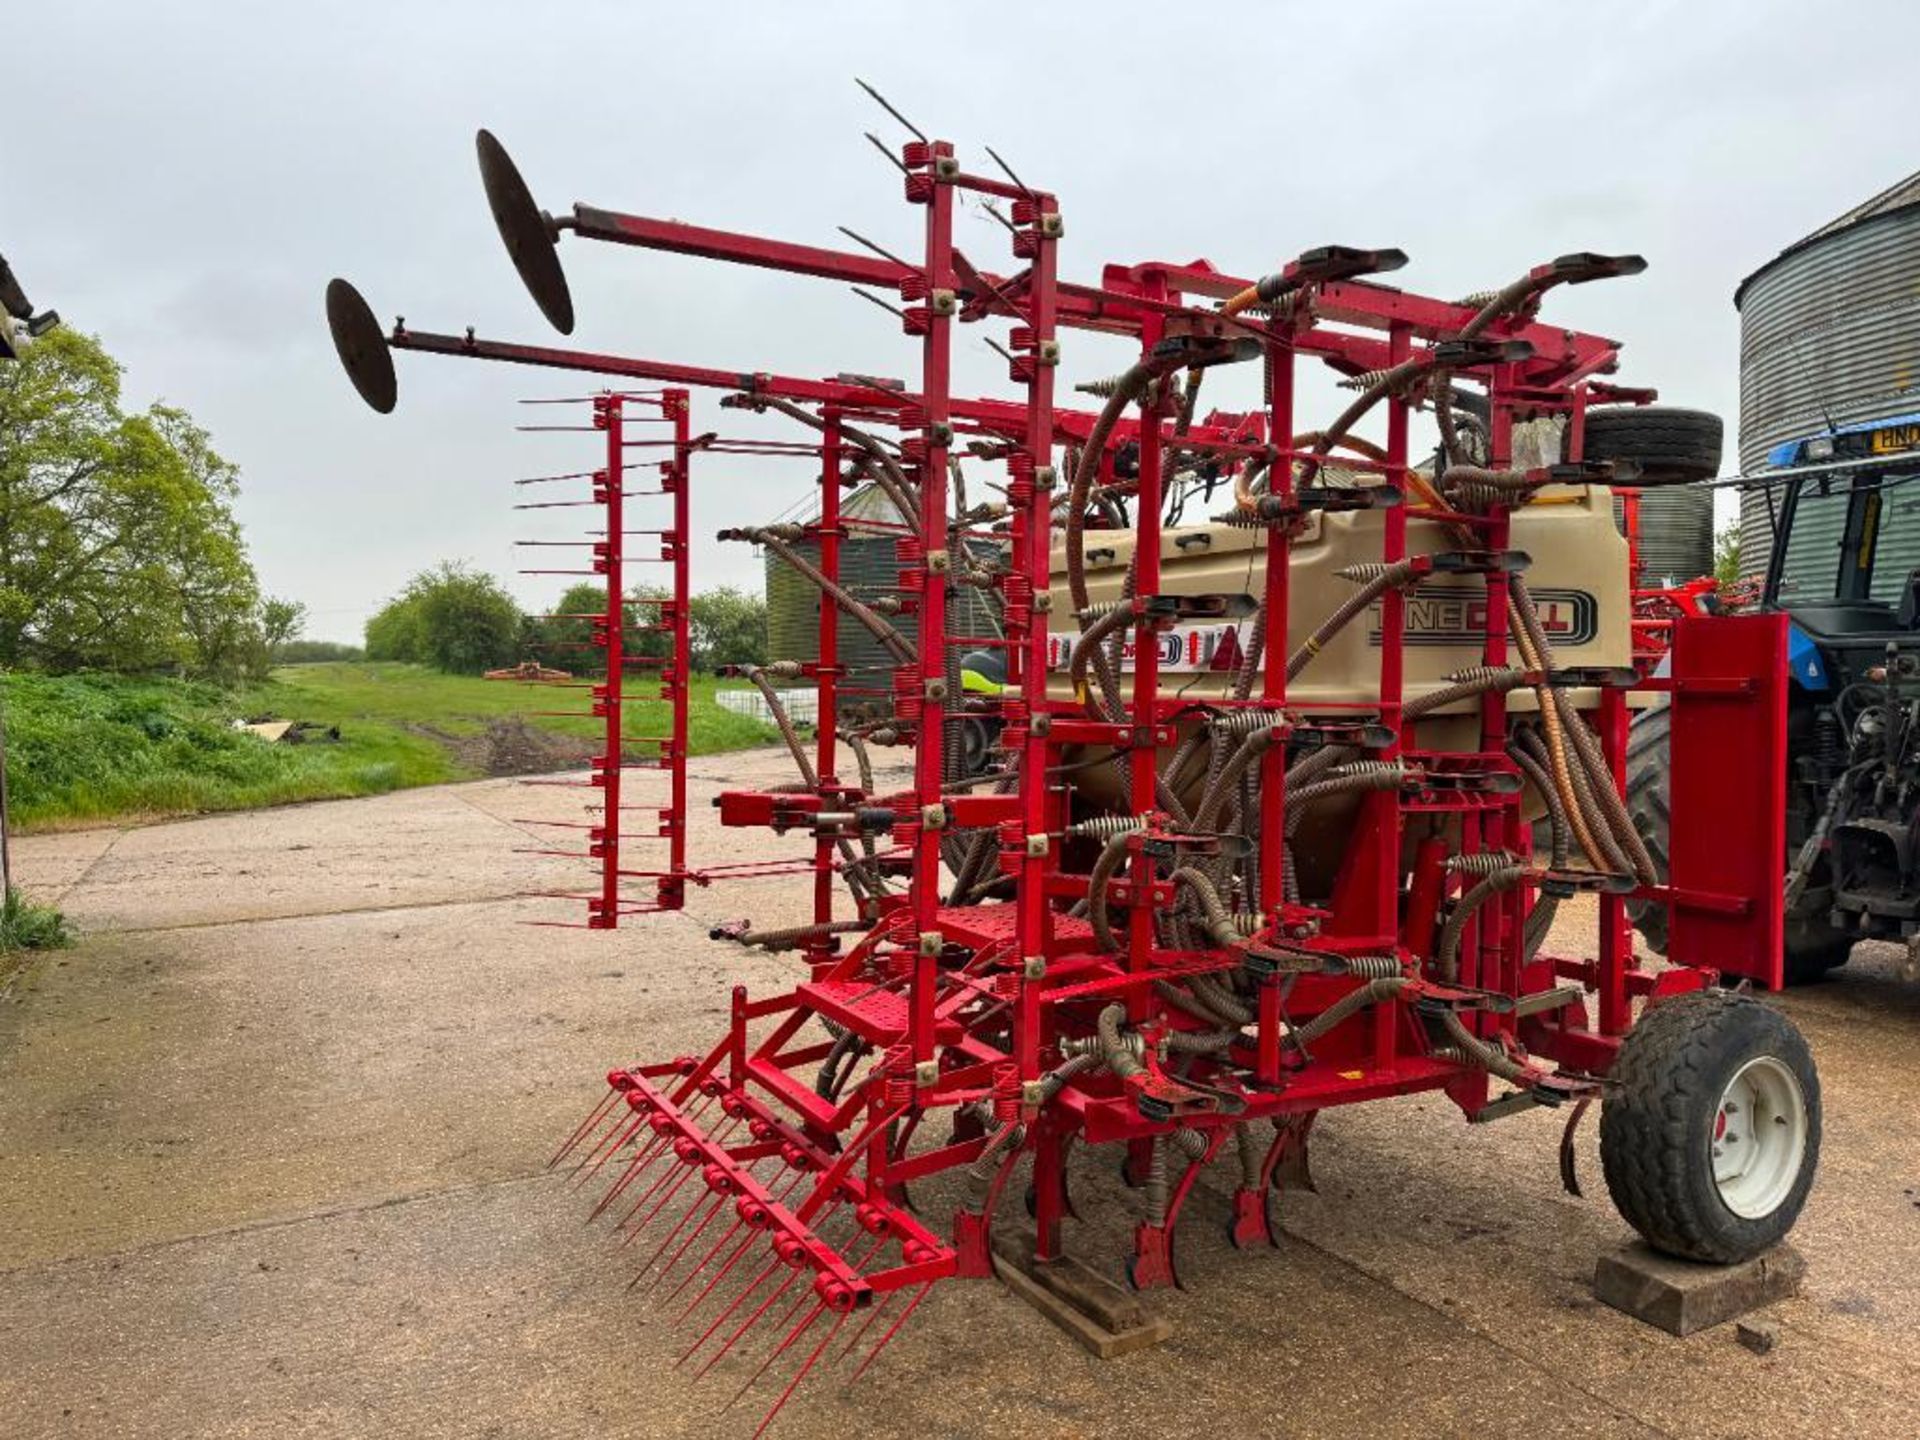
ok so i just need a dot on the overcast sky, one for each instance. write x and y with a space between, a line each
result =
183 179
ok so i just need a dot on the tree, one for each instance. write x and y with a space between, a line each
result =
118 545
729 628
451 617
281 622
1726 554
564 638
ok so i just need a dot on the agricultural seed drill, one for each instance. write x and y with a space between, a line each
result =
1278 809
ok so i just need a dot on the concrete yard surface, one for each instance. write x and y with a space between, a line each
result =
272 1148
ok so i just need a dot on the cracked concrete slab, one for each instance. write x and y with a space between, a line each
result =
270 1143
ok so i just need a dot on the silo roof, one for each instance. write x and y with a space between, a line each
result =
1895 199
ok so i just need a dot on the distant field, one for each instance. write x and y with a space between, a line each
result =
85 748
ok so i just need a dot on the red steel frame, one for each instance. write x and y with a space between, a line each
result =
968 1008
608 547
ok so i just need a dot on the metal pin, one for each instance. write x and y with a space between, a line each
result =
594 1116
794 1384
884 254
819 1309
720 1319
994 211
895 1330
873 299
881 146
881 100
1009 171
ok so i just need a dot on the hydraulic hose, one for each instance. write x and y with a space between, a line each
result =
1447 953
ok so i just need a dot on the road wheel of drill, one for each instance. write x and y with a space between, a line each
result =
1710 1133
1669 445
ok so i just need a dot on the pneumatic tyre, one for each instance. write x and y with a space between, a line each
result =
1670 446
1710 1131
1812 947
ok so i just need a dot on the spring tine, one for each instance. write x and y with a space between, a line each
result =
594 1116
895 1330
819 1309
747 1323
794 1384
732 1260
882 101
718 1320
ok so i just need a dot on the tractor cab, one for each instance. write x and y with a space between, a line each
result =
1845 560
1845 567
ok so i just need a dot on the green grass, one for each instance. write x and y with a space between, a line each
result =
98 747
27 926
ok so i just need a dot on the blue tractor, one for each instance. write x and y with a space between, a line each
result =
1845 568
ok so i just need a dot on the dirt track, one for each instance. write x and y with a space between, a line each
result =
270 1162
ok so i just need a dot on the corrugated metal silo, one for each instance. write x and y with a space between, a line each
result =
1830 335
869 567
1676 534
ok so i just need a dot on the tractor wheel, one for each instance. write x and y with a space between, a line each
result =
1710 1131
1670 446
1812 946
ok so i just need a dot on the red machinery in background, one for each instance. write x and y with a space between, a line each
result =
1000 966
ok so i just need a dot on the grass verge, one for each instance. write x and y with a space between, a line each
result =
91 748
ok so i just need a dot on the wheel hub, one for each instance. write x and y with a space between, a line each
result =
1759 1138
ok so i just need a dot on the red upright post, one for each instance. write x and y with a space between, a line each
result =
928 183
608 414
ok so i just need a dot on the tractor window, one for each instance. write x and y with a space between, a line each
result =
1811 567
1898 551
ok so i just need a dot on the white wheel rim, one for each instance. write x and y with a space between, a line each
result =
1759 1138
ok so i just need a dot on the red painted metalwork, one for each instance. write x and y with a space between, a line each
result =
660 610
994 1004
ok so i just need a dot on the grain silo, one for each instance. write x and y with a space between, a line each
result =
870 568
1830 338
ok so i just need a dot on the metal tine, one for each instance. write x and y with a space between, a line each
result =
617 1135
881 146
748 1323
719 1202
641 1160
881 251
994 211
679 1177
718 1246
884 104
686 1174
805 1369
732 1260
794 1308
819 1309
1008 171
873 299
879 1308
891 1332
594 1116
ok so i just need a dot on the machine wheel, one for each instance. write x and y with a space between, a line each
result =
1710 1132
1812 946
1671 446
